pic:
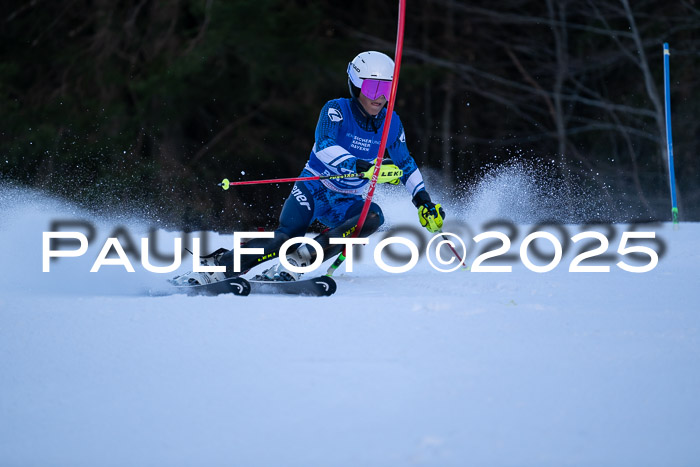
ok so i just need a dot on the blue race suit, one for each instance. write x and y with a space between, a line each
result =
343 135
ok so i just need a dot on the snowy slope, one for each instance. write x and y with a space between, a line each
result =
418 368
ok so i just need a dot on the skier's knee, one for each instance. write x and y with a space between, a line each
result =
291 230
374 220
375 210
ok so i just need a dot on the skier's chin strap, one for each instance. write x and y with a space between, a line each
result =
371 119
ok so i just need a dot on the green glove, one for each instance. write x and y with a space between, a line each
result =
388 173
430 215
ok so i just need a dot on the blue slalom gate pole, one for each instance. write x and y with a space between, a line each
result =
669 136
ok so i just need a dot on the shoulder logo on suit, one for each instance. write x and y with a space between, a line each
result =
402 138
335 115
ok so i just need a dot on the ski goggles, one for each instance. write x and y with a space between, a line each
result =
373 88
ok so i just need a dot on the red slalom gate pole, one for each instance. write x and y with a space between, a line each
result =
387 119
385 132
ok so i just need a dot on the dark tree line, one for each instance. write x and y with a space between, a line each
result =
148 104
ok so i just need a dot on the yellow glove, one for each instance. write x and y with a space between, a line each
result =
430 215
431 219
388 173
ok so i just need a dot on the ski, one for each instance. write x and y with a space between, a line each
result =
234 285
316 287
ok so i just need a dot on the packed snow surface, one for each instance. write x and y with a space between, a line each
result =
416 368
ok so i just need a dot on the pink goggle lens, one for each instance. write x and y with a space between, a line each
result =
373 88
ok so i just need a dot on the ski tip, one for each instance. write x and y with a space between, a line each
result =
326 284
240 286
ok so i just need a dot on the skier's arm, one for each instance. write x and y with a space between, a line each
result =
430 215
398 150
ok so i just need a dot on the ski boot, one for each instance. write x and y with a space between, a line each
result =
300 258
202 278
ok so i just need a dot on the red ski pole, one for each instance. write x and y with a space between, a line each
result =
385 133
225 183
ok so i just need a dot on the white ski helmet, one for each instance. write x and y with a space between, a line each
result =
369 65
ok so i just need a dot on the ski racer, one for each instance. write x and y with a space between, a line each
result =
348 135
